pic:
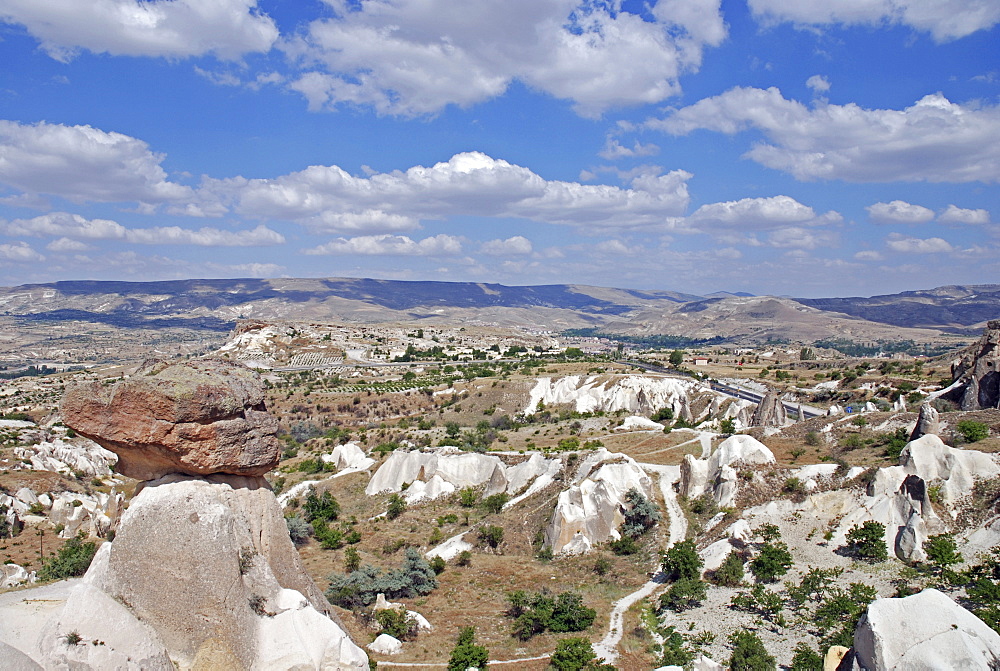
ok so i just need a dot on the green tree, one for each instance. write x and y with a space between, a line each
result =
320 507
684 594
676 358
972 431
837 615
73 559
867 542
749 653
396 622
772 561
467 654
806 659
576 654
641 515
730 573
682 561
495 502
491 535
397 506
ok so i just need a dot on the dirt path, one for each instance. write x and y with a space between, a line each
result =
677 528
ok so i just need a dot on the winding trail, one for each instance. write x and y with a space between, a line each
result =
668 475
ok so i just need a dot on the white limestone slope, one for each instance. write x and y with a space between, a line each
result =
717 474
641 394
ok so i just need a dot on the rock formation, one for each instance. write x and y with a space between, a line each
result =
717 474
770 411
977 372
592 508
639 394
197 418
928 421
923 631
202 573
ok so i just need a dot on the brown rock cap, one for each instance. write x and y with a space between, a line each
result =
195 417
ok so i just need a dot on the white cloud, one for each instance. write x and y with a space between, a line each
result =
614 150
908 245
934 140
414 57
868 255
616 248
67 245
19 252
82 163
818 84
959 215
329 199
517 245
391 245
255 269
175 29
899 212
944 19
758 214
75 227
796 237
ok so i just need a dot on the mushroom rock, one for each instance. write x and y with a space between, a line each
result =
195 417
978 371
928 421
923 631
770 411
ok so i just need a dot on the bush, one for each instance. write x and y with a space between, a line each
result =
806 659
684 594
467 654
749 653
535 613
772 561
468 497
397 506
397 623
576 654
682 561
602 565
760 600
438 564
626 545
641 515
495 503
837 615
675 652
867 542
730 573
298 529
320 507
464 558
491 535
359 588
73 559
972 431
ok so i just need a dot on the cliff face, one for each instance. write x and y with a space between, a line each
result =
978 371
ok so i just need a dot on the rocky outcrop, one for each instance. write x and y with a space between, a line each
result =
977 371
68 457
12 575
770 411
717 474
638 394
592 508
923 631
440 472
197 418
928 422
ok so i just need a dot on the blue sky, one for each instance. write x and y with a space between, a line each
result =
810 149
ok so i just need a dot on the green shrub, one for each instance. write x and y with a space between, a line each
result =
684 594
730 573
772 561
396 622
806 659
73 559
320 507
972 431
576 654
749 653
495 503
298 529
867 542
491 535
468 497
761 601
675 650
359 588
538 612
467 654
640 516
438 564
626 545
837 615
682 561
397 506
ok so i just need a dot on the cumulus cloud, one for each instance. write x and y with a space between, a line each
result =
81 163
908 245
390 245
19 252
67 245
175 29
796 237
517 245
75 227
614 150
414 57
329 199
945 20
818 84
933 140
958 215
899 212
758 214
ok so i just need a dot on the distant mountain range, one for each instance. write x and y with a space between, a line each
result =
215 305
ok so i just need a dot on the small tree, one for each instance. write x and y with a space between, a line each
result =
495 503
676 358
576 654
467 654
684 594
320 507
682 561
749 653
73 559
941 554
806 659
396 622
972 431
298 529
772 561
730 573
397 506
641 516
491 535
867 542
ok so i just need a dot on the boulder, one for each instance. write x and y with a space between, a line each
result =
348 456
384 644
923 631
717 474
12 575
196 417
928 421
834 656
